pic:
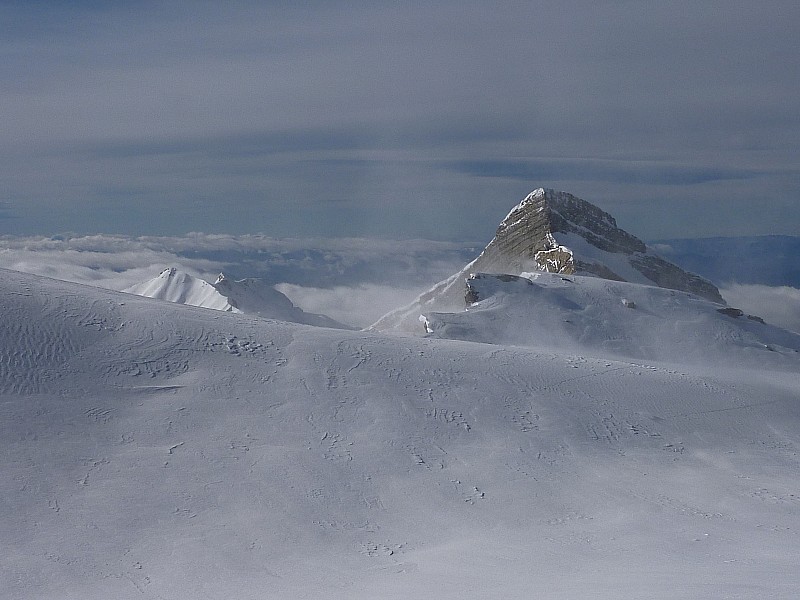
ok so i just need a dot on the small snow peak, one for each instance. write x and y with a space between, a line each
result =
249 296
538 193
535 195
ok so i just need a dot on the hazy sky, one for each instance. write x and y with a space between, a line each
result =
397 119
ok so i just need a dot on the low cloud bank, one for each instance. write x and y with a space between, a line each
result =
110 262
352 280
777 305
359 306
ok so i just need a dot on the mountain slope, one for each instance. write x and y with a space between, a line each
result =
162 451
556 232
250 296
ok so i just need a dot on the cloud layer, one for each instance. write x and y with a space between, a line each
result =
777 305
396 120
354 281
357 280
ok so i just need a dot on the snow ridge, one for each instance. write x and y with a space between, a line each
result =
609 318
249 296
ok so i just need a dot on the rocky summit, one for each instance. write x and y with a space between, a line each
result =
557 232
560 233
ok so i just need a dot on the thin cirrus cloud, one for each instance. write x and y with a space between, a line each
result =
402 121
608 171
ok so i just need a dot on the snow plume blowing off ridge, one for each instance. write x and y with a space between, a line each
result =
358 305
610 318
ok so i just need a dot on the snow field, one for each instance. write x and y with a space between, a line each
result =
152 450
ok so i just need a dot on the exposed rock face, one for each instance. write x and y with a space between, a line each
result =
557 232
474 294
667 275
738 312
524 241
536 235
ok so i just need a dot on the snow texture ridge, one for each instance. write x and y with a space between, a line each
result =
160 451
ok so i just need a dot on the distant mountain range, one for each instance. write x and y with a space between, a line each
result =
767 260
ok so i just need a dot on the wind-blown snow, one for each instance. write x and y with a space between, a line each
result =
779 304
612 318
154 450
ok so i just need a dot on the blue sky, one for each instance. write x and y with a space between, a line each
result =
399 120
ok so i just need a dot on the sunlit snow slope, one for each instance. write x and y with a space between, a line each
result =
251 296
161 451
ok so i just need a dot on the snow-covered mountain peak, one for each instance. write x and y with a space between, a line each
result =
535 194
542 199
174 285
172 273
556 232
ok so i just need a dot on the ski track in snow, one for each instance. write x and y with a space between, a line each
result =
159 451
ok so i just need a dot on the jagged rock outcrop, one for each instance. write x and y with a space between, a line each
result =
557 232
729 311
